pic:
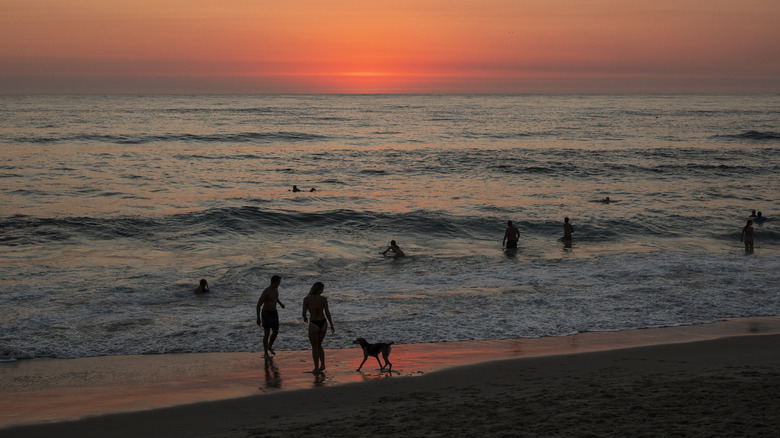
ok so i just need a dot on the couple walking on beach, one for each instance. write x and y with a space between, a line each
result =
315 305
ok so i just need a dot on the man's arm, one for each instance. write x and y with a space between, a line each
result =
279 302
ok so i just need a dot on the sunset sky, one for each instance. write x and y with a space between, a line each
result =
398 46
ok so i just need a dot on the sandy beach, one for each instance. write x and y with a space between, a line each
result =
713 380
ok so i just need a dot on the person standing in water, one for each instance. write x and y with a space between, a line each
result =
748 235
395 248
511 236
567 230
268 316
317 307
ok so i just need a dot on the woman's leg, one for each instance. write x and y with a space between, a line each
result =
314 336
321 337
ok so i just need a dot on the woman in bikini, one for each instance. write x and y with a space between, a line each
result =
317 306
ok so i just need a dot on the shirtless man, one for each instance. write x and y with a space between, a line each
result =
511 236
748 236
395 248
317 307
267 315
567 230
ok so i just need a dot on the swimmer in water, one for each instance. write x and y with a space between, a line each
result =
203 287
395 248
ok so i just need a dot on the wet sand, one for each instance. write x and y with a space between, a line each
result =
711 380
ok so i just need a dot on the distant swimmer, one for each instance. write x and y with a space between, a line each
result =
752 213
606 200
567 230
759 217
295 189
511 236
203 287
748 236
395 248
268 316
313 190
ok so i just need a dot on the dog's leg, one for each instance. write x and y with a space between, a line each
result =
387 362
381 367
365 356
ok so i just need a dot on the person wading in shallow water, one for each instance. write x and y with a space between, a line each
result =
268 316
748 235
317 307
511 236
567 230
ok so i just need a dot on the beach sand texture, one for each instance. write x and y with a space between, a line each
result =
585 385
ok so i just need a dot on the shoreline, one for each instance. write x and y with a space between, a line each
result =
45 393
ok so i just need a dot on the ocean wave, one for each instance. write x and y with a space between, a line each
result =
752 135
137 139
222 224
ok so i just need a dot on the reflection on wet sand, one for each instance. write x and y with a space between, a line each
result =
273 379
42 389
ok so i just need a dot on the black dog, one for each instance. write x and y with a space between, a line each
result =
374 350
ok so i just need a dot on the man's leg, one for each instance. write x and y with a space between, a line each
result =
272 339
267 332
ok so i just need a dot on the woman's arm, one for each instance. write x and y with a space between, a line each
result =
327 315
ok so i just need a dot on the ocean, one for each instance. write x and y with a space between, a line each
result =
114 207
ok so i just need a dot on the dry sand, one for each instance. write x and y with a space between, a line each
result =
686 386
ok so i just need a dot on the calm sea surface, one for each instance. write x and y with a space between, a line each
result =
112 208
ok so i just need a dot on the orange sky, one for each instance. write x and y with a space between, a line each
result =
398 46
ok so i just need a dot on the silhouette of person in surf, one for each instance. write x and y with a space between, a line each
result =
397 252
567 230
295 189
511 236
203 287
748 235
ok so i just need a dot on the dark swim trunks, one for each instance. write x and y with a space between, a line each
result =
320 323
511 244
270 319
